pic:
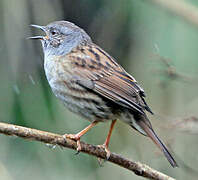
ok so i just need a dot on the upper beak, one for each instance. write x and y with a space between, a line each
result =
43 28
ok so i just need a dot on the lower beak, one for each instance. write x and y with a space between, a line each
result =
36 37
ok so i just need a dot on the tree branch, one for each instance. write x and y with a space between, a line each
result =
181 8
55 139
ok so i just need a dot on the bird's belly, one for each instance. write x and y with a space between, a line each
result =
76 98
84 103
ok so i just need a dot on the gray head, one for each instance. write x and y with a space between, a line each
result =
61 37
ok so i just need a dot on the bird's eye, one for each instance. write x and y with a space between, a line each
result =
53 32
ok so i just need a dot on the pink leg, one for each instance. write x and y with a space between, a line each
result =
106 143
81 133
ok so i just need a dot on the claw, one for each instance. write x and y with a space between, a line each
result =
79 148
71 136
108 152
101 162
76 138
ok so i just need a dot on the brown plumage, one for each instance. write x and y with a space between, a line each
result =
91 83
106 77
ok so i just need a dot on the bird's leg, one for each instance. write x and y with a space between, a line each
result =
106 143
77 136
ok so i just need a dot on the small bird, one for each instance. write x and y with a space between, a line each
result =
92 84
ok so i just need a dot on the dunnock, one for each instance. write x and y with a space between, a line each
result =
92 84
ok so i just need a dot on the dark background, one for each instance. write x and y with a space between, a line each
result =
157 47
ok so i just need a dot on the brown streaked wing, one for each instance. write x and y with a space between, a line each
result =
91 63
116 87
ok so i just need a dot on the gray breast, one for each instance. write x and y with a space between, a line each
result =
75 97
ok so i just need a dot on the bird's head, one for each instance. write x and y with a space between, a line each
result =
61 37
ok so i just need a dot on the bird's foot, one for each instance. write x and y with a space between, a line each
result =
108 153
76 138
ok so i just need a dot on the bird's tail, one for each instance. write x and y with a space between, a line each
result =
145 125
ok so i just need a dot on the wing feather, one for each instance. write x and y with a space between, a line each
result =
108 78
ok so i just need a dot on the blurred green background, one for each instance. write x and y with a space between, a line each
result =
158 48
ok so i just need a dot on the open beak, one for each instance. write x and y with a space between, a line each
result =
43 28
